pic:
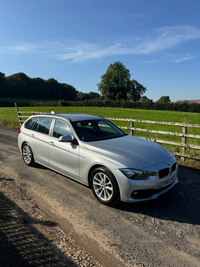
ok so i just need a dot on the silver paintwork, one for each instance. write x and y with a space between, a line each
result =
76 159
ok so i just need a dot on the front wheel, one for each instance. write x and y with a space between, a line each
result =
104 186
27 155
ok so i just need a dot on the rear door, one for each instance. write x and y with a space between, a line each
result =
39 139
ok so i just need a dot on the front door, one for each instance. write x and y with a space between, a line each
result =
63 155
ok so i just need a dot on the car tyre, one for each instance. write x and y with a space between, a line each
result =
27 155
104 186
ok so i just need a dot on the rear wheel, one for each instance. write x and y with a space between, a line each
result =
27 155
104 186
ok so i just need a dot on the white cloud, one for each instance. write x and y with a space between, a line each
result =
22 48
167 37
160 39
183 59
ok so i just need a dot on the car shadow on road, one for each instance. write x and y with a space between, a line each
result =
181 204
21 243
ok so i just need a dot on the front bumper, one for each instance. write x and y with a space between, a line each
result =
143 190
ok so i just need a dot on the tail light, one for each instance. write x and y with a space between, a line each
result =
19 131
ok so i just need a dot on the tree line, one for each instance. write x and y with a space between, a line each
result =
115 85
19 85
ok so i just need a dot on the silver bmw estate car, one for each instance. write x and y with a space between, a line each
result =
93 151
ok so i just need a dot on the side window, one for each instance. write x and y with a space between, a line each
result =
44 125
35 126
29 123
61 128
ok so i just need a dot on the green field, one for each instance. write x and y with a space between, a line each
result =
153 115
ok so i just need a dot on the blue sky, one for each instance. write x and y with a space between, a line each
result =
74 41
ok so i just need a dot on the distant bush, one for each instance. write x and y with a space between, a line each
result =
43 104
8 103
184 106
194 107
63 103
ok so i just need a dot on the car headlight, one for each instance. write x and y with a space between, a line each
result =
137 174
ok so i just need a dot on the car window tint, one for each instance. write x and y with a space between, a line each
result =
29 123
104 127
95 130
44 125
35 126
61 128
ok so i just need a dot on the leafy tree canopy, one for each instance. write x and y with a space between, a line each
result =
3 85
145 99
19 85
116 84
86 96
136 91
164 100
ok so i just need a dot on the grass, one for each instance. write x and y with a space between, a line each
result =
8 118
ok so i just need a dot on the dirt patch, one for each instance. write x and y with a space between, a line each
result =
67 247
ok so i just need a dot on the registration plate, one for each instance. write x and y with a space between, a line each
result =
168 181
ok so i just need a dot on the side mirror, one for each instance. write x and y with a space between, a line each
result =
67 138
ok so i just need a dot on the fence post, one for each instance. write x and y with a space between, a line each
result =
184 139
131 126
18 114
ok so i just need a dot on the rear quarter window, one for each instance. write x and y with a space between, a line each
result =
29 124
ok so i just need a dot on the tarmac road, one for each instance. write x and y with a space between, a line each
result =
162 232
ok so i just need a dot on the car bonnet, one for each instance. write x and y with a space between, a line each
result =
130 151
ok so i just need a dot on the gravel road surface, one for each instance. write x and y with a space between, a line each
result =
162 232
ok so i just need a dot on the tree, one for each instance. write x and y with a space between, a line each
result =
3 85
145 99
19 85
87 96
93 95
38 87
164 100
82 96
52 89
115 83
136 91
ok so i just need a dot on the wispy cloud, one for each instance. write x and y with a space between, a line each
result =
160 39
183 59
166 38
22 48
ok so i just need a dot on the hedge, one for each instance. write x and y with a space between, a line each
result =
194 107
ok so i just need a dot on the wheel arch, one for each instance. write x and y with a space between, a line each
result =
99 166
22 144
91 170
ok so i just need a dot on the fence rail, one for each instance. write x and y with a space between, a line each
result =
184 135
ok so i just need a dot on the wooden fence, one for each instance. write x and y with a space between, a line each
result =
184 135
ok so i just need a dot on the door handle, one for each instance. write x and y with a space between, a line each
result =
32 135
52 143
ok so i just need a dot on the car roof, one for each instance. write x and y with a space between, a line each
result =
73 116
78 116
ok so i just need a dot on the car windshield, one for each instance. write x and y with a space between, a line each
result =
95 130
